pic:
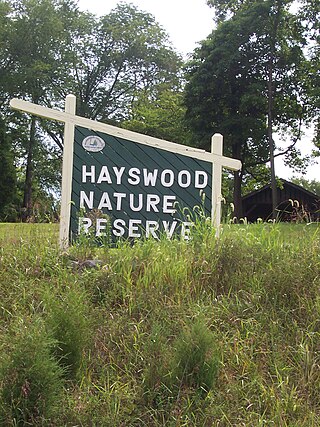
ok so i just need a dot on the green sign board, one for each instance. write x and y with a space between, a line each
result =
121 184
125 189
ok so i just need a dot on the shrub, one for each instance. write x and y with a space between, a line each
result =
157 359
196 359
31 378
68 323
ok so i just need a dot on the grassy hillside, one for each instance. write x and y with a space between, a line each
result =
205 333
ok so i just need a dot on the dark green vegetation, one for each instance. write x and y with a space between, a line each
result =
205 333
49 48
254 79
313 185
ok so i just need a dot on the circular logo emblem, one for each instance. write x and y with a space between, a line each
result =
93 143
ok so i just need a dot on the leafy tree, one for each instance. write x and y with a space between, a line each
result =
226 8
6 63
310 14
8 175
248 70
7 167
160 115
52 49
36 31
116 57
310 185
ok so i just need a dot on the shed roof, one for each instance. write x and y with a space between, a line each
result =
285 182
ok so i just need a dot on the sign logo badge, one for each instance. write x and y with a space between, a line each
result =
93 143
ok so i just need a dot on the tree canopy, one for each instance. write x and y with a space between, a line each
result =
246 81
49 48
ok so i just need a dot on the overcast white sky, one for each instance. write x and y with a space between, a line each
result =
188 22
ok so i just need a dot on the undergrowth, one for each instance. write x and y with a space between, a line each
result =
162 333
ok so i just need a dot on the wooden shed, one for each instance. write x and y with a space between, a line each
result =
294 203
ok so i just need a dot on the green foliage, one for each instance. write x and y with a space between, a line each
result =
223 8
160 355
249 68
8 176
310 12
34 37
49 48
310 185
195 333
31 379
196 360
129 54
67 322
160 115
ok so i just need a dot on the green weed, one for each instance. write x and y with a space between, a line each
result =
196 360
31 379
203 332
69 325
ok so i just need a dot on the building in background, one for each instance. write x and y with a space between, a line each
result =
295 204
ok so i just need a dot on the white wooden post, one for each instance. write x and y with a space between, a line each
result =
216 149
67 167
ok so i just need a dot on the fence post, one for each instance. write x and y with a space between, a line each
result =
67 167
217 149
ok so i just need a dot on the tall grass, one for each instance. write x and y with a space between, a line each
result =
201 333
31 388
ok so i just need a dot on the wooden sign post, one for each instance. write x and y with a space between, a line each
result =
131 183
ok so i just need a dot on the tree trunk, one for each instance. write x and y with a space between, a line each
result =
27 195
270 141
237 183
237 198
279 5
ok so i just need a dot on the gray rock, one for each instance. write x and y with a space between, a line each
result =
91 263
